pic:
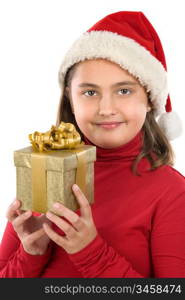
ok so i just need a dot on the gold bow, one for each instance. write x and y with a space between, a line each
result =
63 137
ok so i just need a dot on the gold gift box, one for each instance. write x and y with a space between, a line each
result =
47 177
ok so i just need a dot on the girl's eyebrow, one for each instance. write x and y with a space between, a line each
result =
88 84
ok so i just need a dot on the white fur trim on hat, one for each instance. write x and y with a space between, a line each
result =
127 53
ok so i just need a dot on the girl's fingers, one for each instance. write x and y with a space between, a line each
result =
19 220
63 225
12 211
83 202
20 211
59 240
70 215
31 238
65 212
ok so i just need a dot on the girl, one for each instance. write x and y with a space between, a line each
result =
113 89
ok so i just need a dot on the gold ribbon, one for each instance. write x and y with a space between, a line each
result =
63 137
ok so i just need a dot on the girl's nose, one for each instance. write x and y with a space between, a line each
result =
107 106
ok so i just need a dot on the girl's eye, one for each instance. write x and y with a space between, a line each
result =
125 91
89 93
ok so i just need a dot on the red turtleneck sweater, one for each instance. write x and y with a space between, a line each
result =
140 222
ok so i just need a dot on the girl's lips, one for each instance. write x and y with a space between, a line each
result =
109 126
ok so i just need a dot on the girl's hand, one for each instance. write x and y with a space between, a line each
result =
80 232
29 229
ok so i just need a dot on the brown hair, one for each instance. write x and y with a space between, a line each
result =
156 147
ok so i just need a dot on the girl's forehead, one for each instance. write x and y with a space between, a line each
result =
95 67
98 62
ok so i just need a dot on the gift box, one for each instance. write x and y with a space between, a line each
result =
45 177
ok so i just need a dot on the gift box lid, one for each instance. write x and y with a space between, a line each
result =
56 160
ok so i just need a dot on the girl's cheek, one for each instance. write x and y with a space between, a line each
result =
136 110
83 117
85 111
136 115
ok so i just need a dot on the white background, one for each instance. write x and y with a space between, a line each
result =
34 36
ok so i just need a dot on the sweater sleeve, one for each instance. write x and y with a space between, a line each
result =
99 260
15 262
167 245
168 237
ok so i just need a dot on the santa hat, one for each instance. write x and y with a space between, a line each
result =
129 39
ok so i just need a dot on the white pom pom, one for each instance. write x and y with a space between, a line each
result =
170 124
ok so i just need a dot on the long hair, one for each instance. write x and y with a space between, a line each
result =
156 147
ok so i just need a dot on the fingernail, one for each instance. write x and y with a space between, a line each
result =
14 203
75 187
49 214
56 205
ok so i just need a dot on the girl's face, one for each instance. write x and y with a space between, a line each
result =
102 92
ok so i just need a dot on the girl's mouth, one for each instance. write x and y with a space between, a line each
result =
110 126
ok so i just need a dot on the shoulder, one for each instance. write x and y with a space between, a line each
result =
171 175
170 185
164 172
165 180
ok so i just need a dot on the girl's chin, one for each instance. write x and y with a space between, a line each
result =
107 144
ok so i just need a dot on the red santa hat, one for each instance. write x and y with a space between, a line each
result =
129 39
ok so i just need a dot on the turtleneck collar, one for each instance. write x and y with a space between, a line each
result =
126 152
